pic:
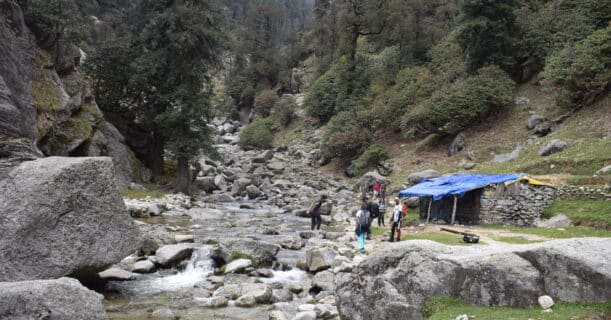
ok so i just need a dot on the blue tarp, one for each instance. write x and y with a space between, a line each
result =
457 184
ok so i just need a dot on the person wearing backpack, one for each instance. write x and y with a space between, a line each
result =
362 227
374 213
396 217
382 213
314 212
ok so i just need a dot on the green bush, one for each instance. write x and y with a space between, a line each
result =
258 134
455 106
413 84
284 110
344 139
581 72
373 155
322 97
264 102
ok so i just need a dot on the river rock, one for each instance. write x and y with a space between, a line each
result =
261 292
552 147
277 315
397 279
246 301
282 295
63 216
230 291
144 266
212 302
60 299
324 281
416 177
320 258
237 266
116 274
171 254
253 192
260 252
276 167
292 243
305 315
163 313
263 157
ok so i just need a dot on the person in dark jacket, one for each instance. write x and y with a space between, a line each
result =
374 213
314 212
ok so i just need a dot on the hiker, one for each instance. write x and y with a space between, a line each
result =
374 212
314 212
362 227
382 213
376 189
383 192
404 207
397 215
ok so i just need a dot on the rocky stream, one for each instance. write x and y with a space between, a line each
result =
243 248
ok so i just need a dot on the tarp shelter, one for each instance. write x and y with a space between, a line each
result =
458 192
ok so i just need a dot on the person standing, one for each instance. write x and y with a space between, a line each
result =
383 192
376 189
397 215
382 213
314 212
362 228
374 212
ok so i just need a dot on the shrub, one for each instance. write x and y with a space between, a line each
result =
322 97
457 105
344 139
247 96
284 110
264 102
581 72
258 134
412 86
373 155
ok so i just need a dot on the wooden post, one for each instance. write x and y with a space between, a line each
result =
428 215
454 209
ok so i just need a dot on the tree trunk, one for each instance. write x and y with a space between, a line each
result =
183 181
155 156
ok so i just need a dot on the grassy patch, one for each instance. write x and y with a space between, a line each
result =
378 231
514 240
441 237
239 255
287 136
443 308
595 213
561 233
152 190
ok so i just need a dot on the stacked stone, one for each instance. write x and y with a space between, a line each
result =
571 192
520 210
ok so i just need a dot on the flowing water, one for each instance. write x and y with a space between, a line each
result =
182 292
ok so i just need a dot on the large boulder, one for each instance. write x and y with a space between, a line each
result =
399 278
260 252
367 180
416 177
457 144
62 216
18 132
59 299
171 254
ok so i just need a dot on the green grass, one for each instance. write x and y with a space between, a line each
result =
441 237
595 213
152 191
239 255
561 233
444 308
514 240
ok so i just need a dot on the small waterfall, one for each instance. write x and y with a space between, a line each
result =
200 266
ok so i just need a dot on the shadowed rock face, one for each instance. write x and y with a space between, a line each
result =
396 281
62 216
17 113
49 299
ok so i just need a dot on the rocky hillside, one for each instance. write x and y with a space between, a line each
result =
48 104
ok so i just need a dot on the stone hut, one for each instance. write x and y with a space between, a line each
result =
514 199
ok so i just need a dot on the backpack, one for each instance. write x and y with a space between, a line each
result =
363 218
374 209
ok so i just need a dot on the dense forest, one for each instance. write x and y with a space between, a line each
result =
407 69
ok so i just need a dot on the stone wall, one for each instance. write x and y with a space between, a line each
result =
520 209
571 192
